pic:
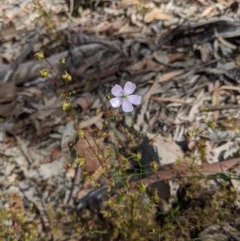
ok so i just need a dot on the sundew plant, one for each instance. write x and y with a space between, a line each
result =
113 201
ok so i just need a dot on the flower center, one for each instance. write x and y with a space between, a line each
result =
124 96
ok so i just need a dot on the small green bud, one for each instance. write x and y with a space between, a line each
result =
66 105
62 60
81 133
156 197
80 161
212 124
137 157
67 77
44 73
154 166
40 55
108 96
142 187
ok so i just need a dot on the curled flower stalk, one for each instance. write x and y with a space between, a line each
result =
124 97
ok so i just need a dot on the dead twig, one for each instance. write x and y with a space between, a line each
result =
23 147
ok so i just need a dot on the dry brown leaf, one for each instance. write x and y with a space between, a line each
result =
151 91
228 87
225 2
161 57
88 149
147 64
135 21
161 78
126 3
47 108
207 12
224 42
157 14
164 58
114 12
175 56
196 105
35 92
205 53
55 154
6 110
91 121
8 33
108 27
183 169
216 97
203 2
125 29
7 92
168 76
16 202
167 150
237 60
85 101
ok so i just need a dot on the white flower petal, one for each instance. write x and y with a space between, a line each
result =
127 106
129 88
135 99
116 102
117 90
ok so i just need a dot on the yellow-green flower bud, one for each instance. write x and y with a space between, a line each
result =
66 106
81 133
62 60
212 124
108 96
154 166
80 161
44 73
67 77
40 55
142 187
156 197
137 157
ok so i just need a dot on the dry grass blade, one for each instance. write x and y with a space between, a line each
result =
216 102
169 99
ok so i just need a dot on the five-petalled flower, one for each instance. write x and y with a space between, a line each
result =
124 96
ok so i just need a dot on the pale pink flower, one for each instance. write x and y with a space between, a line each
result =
123 97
